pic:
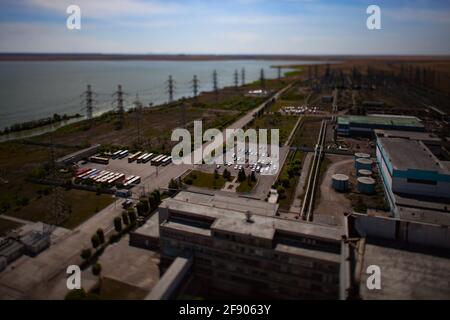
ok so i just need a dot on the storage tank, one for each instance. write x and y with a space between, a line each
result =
363 163
364 173
366 185
340 182
362 155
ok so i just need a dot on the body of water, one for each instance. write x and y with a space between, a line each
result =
32 90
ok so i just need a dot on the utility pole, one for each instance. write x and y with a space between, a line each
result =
195 85
215 84
262 79
120 109
243 76
170 88
138 113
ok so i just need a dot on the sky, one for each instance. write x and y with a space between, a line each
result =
325 27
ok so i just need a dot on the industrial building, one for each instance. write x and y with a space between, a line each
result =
239 246
365 125
416 183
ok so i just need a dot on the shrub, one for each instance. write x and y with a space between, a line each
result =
86 254
101 235
125 218
118 224
95 240
132 216
96 269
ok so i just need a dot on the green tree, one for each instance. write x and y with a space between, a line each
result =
253 177
226 174
241 175
96 269
125 218
101 235
95 240
86 254
132 216
216 174
118 224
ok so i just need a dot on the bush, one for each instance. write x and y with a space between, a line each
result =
96 269
101 235
76 294
114 238
189 181
118 224
86 254
95 240
125 218
132 216
226 174
241 176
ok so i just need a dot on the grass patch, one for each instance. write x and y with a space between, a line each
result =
205 180
284 123
83 205
246 186
288 179
307 132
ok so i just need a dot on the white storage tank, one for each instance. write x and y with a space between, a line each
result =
364 173
363 163
362 155
366 185
340 182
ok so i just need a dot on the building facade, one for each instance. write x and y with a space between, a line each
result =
251 255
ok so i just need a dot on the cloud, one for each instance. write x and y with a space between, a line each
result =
110 8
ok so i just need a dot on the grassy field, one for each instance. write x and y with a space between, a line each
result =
8 225
307 132
288 179
268 121
83 204
246 186
205 180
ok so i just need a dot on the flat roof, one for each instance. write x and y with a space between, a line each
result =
407 154
235 221
406 275
150 228
412 135
386 120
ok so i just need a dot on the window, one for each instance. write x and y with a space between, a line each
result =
421 181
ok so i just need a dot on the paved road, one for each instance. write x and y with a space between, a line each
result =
297 203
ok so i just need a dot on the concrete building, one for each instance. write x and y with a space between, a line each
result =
239 246
78 155
416 183
146 236
365 125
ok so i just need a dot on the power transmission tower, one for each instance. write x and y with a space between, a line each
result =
138 113
170 88
279 72
59 210
236 79
120 109
243 76
195 85
215 84
262 78
89 102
